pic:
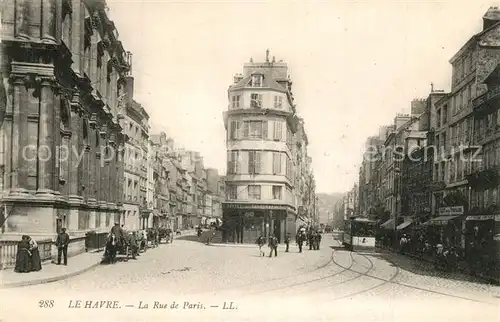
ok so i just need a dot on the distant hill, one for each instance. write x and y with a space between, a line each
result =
326 205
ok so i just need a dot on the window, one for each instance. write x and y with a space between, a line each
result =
278 102
256 81
232 162
254 162
277 195
254 192
445 114
256 100
234 130
278 130
235 101
276 162
255 129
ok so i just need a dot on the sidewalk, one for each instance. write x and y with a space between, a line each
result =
50 273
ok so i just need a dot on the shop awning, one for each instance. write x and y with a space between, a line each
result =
440 221
389 224
404 225
481 217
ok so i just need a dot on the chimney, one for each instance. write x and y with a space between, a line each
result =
491 17
129 88
418 107
128 59
238 78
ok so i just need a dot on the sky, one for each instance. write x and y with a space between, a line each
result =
354 65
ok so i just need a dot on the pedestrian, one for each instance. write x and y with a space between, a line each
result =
300 240
210 235
23 257
261 241
36 261
288 237
310 239
317 240
273 245
62 243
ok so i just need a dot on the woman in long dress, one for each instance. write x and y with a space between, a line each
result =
23 258
36 261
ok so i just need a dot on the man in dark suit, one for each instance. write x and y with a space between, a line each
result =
273 245
62 243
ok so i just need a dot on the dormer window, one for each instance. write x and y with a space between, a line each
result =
256 80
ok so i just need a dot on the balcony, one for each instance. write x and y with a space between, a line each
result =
484 179
484 102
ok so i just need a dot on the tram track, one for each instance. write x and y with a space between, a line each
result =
315 280
391 279
369 269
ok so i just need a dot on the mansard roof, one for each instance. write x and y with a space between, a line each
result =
267 82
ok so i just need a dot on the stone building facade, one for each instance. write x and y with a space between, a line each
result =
135 123
261 122
63 70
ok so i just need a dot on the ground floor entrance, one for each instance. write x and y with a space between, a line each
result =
245 225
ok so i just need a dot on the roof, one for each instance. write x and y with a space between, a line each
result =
267 82
472 41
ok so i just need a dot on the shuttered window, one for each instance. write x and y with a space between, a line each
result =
235 130
233 162
278 130
254 162
276 163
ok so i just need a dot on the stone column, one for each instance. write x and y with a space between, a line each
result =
76 152
112 170
77 36
49 21
64 162
97 176
16 164
46 142
23 8
86 173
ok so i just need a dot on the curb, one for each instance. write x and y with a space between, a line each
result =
49 279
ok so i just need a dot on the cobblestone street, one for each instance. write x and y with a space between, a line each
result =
190 270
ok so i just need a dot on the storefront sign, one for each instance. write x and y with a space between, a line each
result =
481 217
451 211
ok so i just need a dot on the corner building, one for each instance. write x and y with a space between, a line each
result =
63 70
260 123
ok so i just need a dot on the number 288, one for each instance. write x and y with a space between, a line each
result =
44 304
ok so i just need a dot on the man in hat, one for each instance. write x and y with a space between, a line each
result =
62 243
118 232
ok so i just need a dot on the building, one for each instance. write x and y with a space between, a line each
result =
416 171
368 176
260 123
63 114
216 189
135 123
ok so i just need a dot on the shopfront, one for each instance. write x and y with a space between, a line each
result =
243 223
480 246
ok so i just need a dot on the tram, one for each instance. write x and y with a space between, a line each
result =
359 232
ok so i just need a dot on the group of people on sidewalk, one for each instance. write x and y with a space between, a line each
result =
309 236
28 257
